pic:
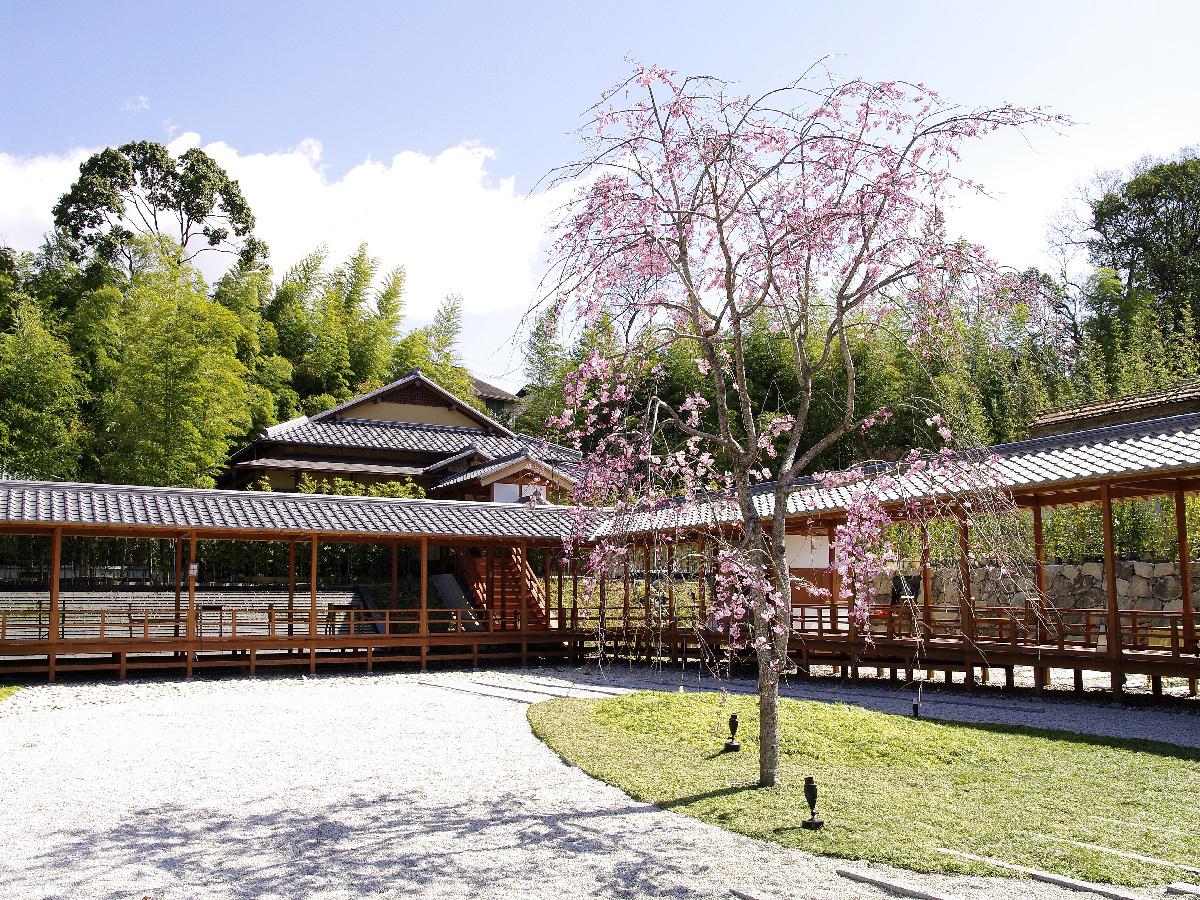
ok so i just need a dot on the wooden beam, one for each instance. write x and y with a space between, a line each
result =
1185 572
1041 675
190 629
291 588
671 584
54 626
423 622
424 586
491 586
523 590
1113 629
178 581
966 607
628 585
395 573
926 583
312 608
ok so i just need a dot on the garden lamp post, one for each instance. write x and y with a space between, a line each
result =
812 823
732 745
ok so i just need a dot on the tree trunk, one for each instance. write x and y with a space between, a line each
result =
768 720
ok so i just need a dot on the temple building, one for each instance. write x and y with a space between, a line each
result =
411 429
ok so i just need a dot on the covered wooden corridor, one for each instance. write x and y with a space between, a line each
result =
522 599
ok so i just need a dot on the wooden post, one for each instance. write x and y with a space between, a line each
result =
1185 572
312 609
648 565
424 616
523 590
558 590
291 589
1113 627
395 573
701 577
966 602
926 583
835 585
190 629
628 592
671 601
546 584
178 580
1041 674
54 626
491 586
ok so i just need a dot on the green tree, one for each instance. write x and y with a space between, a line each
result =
40 392
139 190
178 396
433 350
1148 228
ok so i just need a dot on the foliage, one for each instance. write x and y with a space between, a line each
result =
139 190
178 397
400 490
893 788
7 690
1148 229
432 350
40 393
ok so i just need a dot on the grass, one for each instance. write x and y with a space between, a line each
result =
894 788
7 690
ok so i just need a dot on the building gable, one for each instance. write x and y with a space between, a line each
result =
413 399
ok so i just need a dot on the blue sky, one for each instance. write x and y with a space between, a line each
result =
479 99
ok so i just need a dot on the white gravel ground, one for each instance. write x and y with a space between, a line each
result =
402 785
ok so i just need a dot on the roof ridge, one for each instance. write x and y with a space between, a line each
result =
270 496
1134 401
466 408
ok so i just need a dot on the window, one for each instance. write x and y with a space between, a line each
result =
504 492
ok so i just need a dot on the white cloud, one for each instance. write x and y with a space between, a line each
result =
140 103
30 186
444 218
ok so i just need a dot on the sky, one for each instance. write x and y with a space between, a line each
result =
426 129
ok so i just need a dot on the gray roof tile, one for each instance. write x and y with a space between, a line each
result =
31 502
412 438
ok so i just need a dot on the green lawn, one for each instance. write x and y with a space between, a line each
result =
893 788
7 690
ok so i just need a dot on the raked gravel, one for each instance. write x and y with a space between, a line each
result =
397 785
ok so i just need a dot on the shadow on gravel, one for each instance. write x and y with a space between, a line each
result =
398 845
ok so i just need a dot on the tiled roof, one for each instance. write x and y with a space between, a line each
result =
1161 447
470 452
521 459
1137 449
313 465
410 437
491 392
1180 393
32 502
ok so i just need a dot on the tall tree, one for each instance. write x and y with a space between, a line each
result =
815 207
1148 228
338 329
178 396
140 190
40 392
434 350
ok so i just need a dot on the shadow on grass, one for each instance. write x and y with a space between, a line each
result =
709 795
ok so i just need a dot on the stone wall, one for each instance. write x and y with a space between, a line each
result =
1150 586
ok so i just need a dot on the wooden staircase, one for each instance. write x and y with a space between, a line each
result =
510 569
